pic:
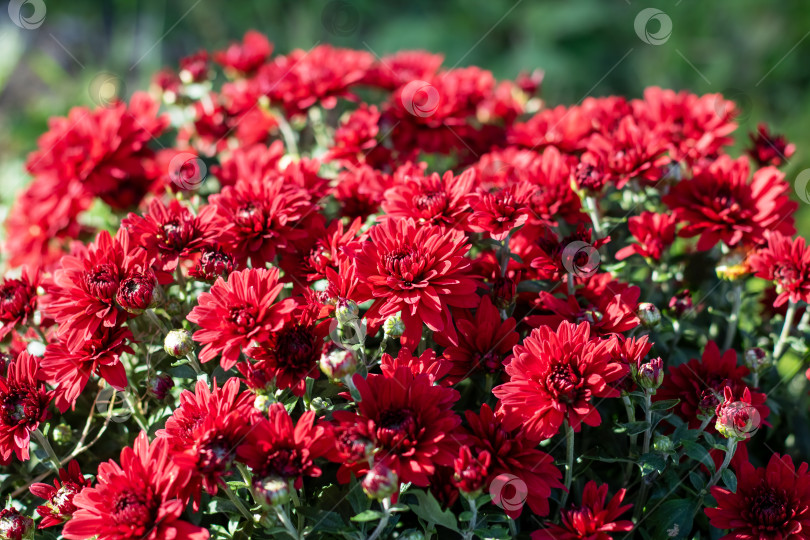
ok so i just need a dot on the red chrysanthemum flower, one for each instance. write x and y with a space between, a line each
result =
23 405
413 420
59 507
394 70
771 502
516 456
426 363
566 128
213 263
14 525
247 56
420 271
786 262
553 377
356 136
135 499
278 447
594 519
485 342
291 353
360 191
720 204
699 385
204 432
173 232
261 216
769 149
82 296
499 212
654 232
237 312
431 199
70 369
18 300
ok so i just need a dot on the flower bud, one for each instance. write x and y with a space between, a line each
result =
338 363
503 293
380 482
138 292
319 404
737 419
262 402
178 343
732 267
470 474
649 314
15 526
394 327
681 303
663 444
272 491
650 375
159 385
213 263
757 359
346 310
62 434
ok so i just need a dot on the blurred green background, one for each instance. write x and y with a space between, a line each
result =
754 52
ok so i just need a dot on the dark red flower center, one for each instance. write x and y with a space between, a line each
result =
286 463
768 508
248 216
215 455
787 275
132 509
295 347
405 265
102 281
244 317
14 299
431 202
19 407
396 426
176 234
563 383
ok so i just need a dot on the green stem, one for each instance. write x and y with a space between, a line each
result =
645 448
152 316
782 342
136 412
504 254
281 512
631 417
286 133
237 502
593 212
470 532
734 318
730 449
42 440
569 462
386 504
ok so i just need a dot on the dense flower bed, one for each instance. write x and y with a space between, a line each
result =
330 295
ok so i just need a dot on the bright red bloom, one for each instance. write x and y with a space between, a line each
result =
173 232
212 264
485 342
247 56
23 405
279 447
499 212
654 232
18 300
593 519
720 204
771 502
431 199
426 363
70 369
204 432
357 135
566 128
301 79
420 271
59 506
261 216
237 312
768 149
413 420
514 455
786 262
394 70
255 161
82 296
699 385
135 499
553 377
470 473
360 191
291 353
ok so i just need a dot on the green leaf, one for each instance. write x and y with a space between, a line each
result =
367 515
673 519
430 510
697 480
651 462
634 428
664 404
698 453
729 479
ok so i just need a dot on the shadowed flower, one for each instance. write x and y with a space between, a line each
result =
23 405
59 506
786 262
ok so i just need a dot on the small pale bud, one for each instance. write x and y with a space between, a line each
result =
272 491
338 363
178 343
650 375
346 310
62 434
663 444
159 385
649 314
380 482
394 327
757 359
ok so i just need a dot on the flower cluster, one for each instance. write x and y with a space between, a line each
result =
493 317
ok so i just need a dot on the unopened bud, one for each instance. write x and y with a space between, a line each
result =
663 444
272 491
178 343
757 359
380 482
338 363
346 310
15 526
62 434
394 327
650 375
649 314
262 402
159 385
